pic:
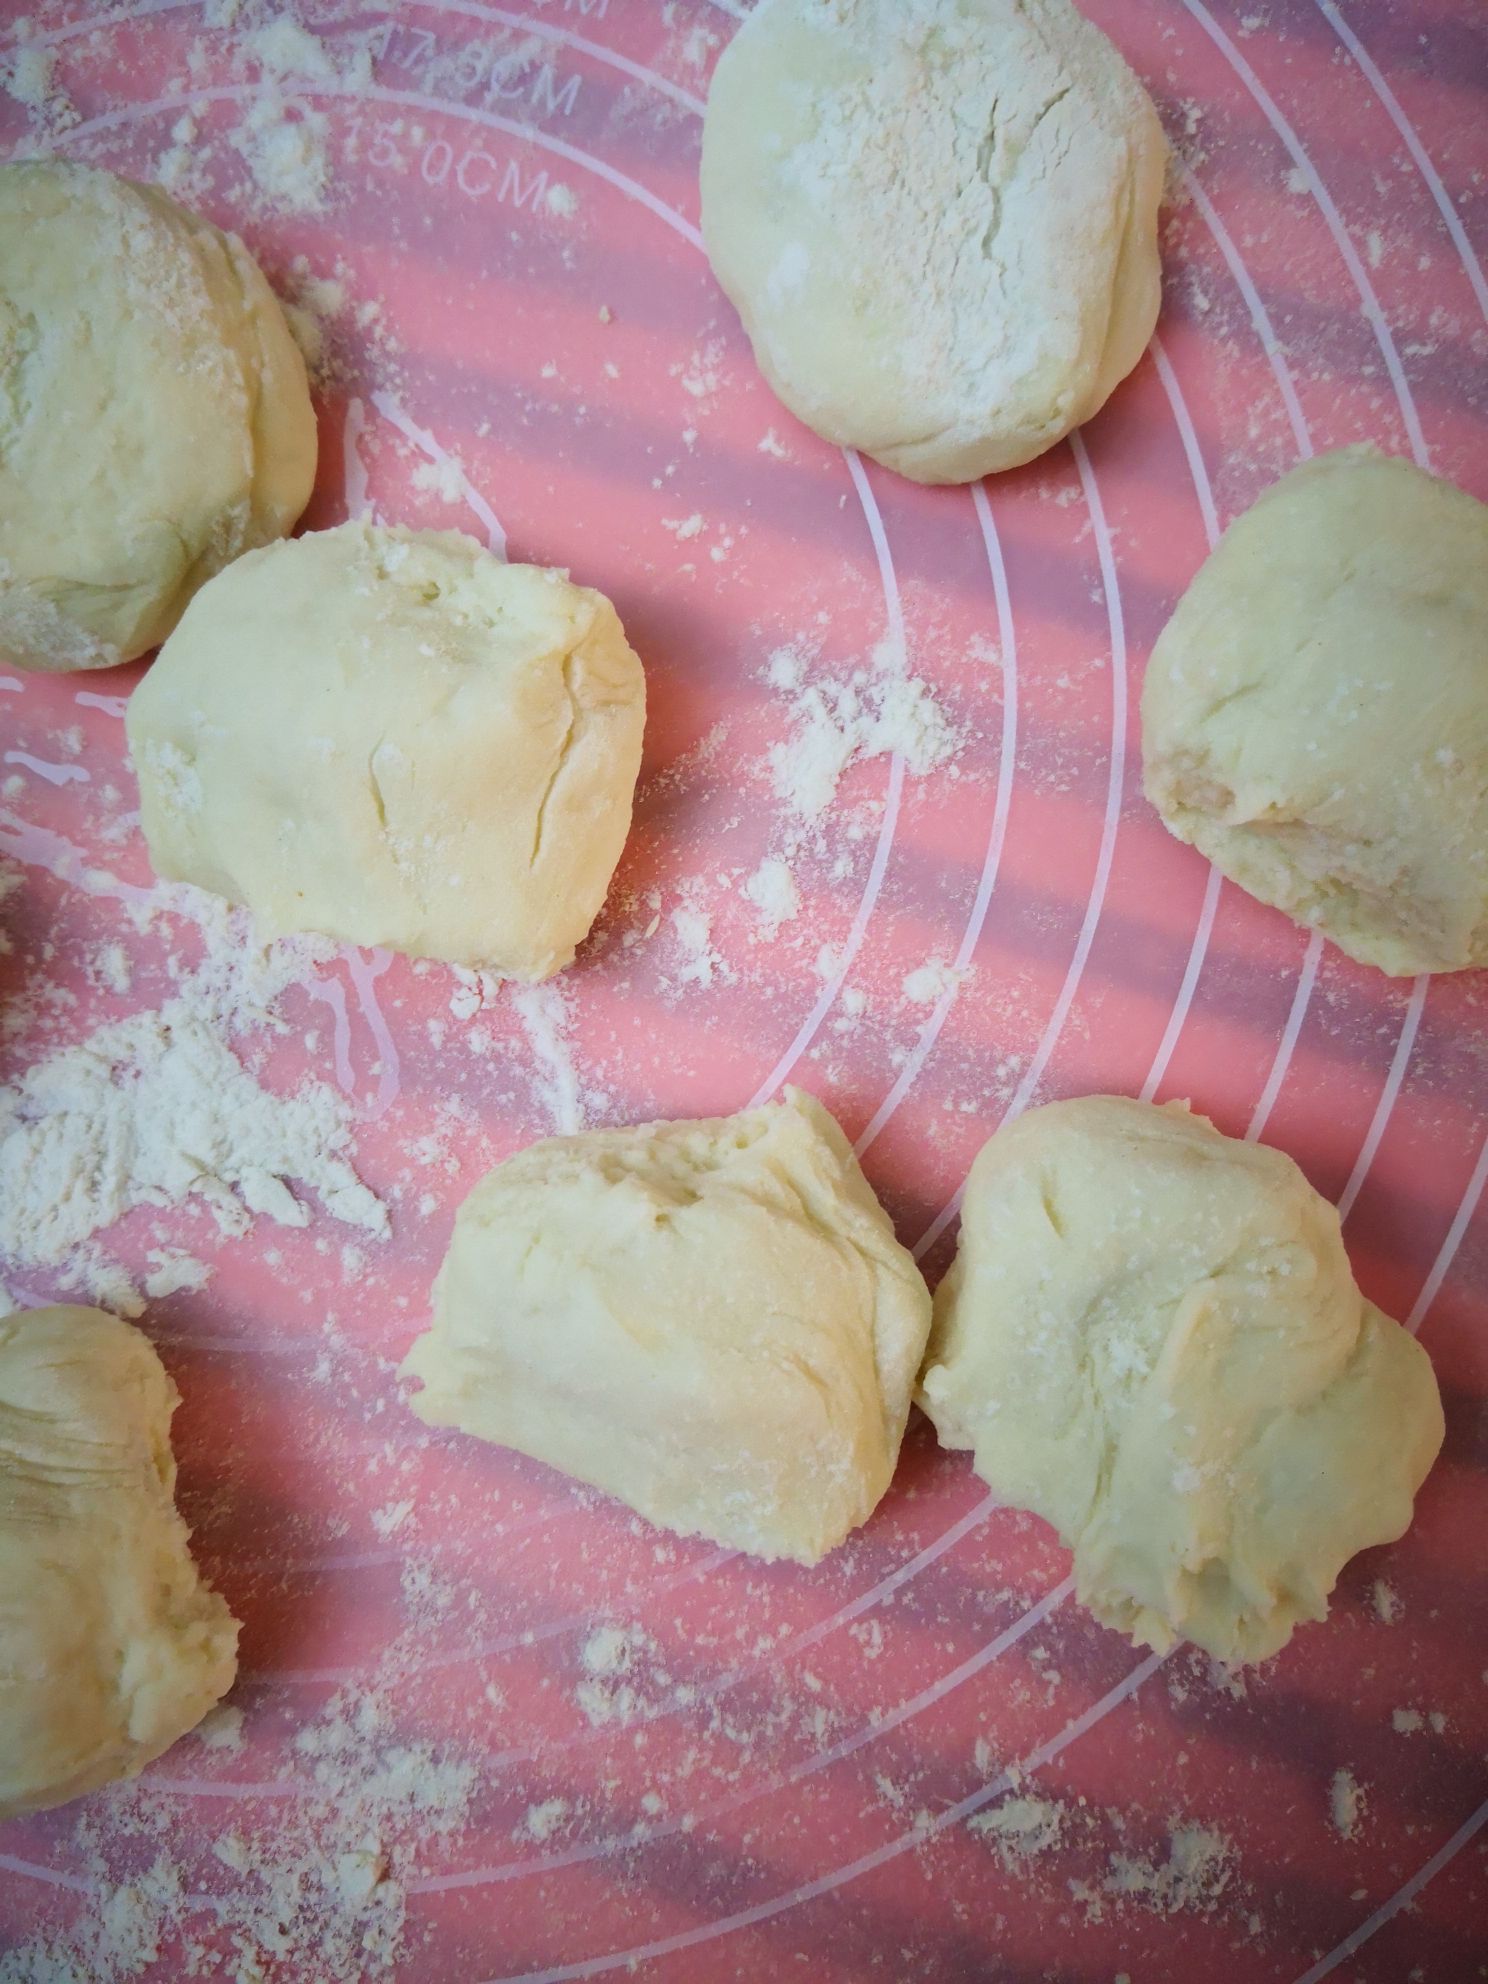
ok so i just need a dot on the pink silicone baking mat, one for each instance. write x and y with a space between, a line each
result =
493 1727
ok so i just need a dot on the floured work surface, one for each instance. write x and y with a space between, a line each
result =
890 844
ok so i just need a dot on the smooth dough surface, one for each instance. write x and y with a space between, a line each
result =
1151 1337
937 219
154 415
711 1321
392 737
110 1644
1315 714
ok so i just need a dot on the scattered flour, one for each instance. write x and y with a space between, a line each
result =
281 137
1346 1802
932 980
702 376
772 889
543 1011
282 48
323 296
110 966
607 1656
389 1519
606 1651
1020 1828
153 1110
28 74
283 143
701 964
320 1887
541 1821
1411 1721
474 991
157 1109
877 712
444 478
173 1273
221 1729
1198 1869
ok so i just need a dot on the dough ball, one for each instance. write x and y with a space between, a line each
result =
154 416
1315 716
1152 1338
711 1321
110 1644
392 737
937 219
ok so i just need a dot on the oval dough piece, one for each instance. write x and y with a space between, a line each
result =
154 415
1315 714
110 1644
710 1320
1151 1337
937 220
394 738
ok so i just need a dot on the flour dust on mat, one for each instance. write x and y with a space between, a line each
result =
157 1109
876 712
315 1888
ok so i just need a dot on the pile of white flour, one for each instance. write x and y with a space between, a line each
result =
157 1108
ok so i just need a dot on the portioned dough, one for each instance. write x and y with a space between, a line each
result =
1315 715
937 219
154 415
1152 1338
110 1644
710 1320
394 738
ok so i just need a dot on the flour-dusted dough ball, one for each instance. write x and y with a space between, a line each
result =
110 1644
1151 1337
392 737
1315 716
710 1320
937 219
154 415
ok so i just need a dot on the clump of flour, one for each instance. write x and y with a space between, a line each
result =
315 1886
876 712
157 1109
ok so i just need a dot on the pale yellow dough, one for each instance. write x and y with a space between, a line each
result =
937 219
711 1321
154 415
1151 1337
110 1644
1315 715
392 737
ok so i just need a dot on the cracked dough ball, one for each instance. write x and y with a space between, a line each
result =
937 219
154 415
1315 715
1151 1337
711 1321
110 1644
392 737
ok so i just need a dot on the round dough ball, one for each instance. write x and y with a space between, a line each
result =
710 1320
1152 1338
394 738
110 1644
1315 715
154 415
938 221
